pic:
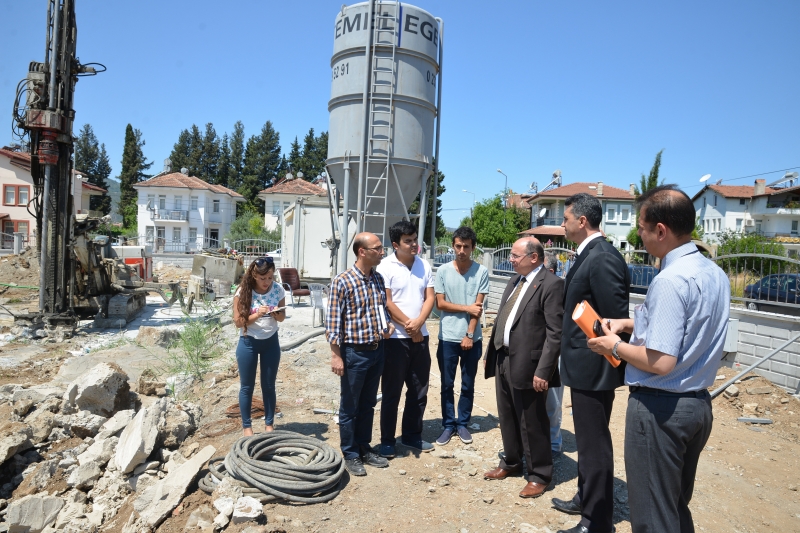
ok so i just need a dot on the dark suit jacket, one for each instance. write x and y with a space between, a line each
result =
535 339
599 276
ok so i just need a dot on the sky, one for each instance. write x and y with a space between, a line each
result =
594 89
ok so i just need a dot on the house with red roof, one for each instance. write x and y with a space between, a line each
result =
180 213
16 185
283 194
547 211
82 192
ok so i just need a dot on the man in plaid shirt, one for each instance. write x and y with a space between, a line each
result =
356 324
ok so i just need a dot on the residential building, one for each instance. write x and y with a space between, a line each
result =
180 213
279 197
16 184
82 192
547 211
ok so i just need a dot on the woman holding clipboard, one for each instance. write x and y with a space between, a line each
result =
258 306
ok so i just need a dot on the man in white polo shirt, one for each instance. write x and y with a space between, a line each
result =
409 300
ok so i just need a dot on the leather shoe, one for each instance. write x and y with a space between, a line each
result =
566 506
582 529
533 490
499 473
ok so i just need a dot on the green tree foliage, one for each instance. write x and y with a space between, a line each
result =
414 208
250 225
651 180
749 245
295 158
237 156
209 156
262 164
224 172
179 158
488 223
92 160
315 151
134 164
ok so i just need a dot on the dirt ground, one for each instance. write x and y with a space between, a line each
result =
747 480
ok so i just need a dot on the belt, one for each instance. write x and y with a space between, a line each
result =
369 347
659 392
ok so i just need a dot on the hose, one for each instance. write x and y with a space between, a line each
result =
282 465
300 340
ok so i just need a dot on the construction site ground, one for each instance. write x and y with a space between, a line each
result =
747 479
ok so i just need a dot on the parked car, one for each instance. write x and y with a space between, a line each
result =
641 277
504 268
444 258
780 288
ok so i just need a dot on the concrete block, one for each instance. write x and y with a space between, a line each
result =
785 369
771 331
793 385
793 360
745 360
777 379
757 340
747 349
746 327
763 352
793 348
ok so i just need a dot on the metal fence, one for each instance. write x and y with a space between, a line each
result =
252 249
7 241
166 245
444 253
763 282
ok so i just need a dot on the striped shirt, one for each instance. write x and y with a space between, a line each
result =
355 305
685 315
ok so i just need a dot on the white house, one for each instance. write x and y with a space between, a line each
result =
17 187
180 213
619 217
282 195
82 192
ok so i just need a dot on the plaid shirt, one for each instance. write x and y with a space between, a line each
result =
353 306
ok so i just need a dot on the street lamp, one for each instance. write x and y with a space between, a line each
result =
471 206
505 195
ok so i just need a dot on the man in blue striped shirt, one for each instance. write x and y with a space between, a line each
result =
356 324
673 356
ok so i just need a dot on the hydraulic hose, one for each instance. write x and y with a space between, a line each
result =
282 465
303 338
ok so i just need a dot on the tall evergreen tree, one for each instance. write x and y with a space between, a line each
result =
209 159
237 156
315 151
224 167
134 164
92 160
414 208
194 164
262 164
295 158
179 158
102 172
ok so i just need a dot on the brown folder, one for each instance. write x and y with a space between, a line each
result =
585 317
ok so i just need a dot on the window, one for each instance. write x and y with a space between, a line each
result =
9 195
792 253
178 203
193 203
286 205
704 201
626 214
162 202
741 201
176 234
14 226
715 200
22 195
16 194
612 214
794 227
215 208
739 224
276 208
758 226
151 201
192 234
149 234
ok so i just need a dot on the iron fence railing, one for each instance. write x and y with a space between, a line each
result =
7 241
167 245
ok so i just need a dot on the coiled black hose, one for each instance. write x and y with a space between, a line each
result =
282 465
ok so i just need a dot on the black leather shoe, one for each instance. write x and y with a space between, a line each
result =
566 506
582 529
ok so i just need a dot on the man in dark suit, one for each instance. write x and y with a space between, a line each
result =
599 276
523 358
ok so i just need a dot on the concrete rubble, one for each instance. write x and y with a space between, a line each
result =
102 391
246 509
32 514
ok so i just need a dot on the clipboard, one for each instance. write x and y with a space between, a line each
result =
587 318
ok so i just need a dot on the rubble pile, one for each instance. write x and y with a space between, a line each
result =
22 269
71 457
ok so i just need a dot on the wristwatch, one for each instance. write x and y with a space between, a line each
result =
470 335
614 351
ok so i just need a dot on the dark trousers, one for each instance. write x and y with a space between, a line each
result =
591 413
664 436
524 426
248 353
406 362
448 356
362 375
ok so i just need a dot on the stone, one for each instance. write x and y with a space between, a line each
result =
227 488
84 476
59 434
144 467
139 437
221 521
100 452
731 392
70 512
82 424
224 506
42 476
760 390
116 423
200 518
527 528
15 437
442 453
164 496
784 400
103 390
32 514
246 509
193 447
749 409
181 421
488 500
23 406
156 336
37 394
41 422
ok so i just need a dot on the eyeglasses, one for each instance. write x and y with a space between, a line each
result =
261 261
515 257
376 248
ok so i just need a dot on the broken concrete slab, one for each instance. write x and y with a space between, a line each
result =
32 514
100 452
766 389
156 336
68 513
15 437
40 478
731 392
116 423
38 394
246 509
103 390
139 437
84 476
200 518
160 499
181 421
82 424
41 422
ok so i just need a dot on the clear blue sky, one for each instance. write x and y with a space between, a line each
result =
592 88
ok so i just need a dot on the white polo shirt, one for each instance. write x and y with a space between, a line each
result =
408 288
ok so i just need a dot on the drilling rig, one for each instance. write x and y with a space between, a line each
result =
80 275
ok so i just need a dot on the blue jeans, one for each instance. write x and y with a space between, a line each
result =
362 375
248 353
555 397
448 355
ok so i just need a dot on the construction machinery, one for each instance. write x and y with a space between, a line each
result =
80 275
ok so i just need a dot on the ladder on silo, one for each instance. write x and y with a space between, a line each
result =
382 87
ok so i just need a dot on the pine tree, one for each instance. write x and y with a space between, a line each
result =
237 156
102 172
92 160
315 151
295 158
134 164
179 158
224 167
209 159
194 163
414 208
262 164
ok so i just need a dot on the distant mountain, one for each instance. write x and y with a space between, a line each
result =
115 194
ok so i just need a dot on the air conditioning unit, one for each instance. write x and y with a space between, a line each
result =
749 222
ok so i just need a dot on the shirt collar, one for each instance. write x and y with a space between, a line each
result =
361 274
586 241
394 258
676 253
532 274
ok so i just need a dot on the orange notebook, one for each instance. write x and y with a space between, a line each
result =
585 317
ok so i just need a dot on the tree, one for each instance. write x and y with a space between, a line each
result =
92 160
487 221
414 208
102 172
262 164
193 164
295 158
315 151
237 157
179 158
224 171
651 180
134 164
209 156
250 225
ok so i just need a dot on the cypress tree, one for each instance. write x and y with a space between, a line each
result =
102 172
224 167
134 164
92 160
209 159
194 162
179 158
295 158
237 156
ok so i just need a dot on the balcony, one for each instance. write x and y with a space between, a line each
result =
547 222
789 207
214 218
169 214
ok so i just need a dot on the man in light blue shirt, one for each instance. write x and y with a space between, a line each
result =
673 356
460 288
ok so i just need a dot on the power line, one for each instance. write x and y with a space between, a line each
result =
745 177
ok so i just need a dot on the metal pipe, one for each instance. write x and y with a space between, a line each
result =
728 383
365 120
435 192
344 232
47 40
423 204
298 210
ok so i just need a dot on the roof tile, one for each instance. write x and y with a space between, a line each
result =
565 191
182 181
295 186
